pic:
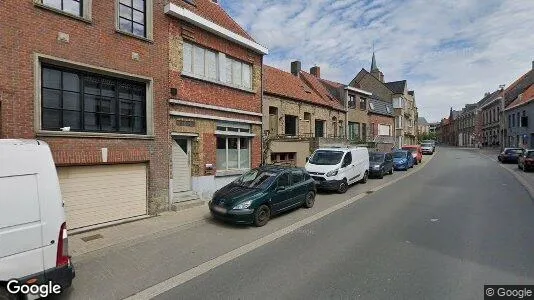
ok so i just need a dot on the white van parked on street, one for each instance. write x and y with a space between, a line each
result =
337 168
33 232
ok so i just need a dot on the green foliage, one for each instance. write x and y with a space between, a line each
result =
427 136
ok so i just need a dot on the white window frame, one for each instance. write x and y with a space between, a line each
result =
248 139
229 77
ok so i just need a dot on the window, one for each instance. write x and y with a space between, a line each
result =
363 103
352 101
364 131
90 102
319 128
204 63
290 125
518 120
74 7
283 158
297 177
509 121
341 131
307 116
388 109
371 106
347 160
238 73
132 16
283 180
354 131
233 153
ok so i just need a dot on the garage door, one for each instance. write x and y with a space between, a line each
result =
100 194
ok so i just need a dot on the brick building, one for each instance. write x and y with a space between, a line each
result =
490 111
88 78
519 108
215 81
297 118
381 124
466 126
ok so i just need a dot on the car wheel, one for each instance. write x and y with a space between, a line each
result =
5 295
262 215
519 166
343 187
391 171
381 175
310 200
365 177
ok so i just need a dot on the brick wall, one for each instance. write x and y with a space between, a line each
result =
371 84
35 30
380 119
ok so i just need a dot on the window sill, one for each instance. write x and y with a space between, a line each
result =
231 172
60 12
189 75
142 38
71 134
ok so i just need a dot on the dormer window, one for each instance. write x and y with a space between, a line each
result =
371 106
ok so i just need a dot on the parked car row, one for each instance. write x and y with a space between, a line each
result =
523 157
262 192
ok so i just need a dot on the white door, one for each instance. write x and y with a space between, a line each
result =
100 194
181 165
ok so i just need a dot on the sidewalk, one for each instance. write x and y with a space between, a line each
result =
94 240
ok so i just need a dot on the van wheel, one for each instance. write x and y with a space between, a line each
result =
4 295
343 187
262 215
365 177
310 200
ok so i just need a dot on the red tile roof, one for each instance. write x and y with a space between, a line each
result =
321 90
524 98
215 13
281 83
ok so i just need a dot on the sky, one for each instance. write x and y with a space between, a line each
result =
450 51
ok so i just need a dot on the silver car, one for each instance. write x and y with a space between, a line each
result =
427 148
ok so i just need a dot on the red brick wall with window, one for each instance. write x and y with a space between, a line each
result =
381 119
27 29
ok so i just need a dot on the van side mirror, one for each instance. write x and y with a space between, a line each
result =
307 158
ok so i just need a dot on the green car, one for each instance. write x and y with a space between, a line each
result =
261 193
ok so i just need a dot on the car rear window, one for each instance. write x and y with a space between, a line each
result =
517 151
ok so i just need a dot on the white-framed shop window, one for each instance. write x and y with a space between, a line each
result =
233 146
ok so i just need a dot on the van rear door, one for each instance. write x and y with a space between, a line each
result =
20 226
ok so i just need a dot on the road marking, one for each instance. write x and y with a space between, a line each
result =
209 265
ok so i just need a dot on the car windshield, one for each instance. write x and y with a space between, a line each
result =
256 179
412 150
426 145
326 157
376 157
399 154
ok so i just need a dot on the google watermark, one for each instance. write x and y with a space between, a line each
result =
509 291
42 290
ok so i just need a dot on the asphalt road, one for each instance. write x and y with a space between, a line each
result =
441 233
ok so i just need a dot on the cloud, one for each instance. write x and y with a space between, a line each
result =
450 51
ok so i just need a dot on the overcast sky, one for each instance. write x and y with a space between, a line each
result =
450 51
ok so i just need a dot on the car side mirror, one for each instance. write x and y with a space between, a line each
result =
307 159
280 188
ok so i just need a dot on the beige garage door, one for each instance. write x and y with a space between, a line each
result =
99 194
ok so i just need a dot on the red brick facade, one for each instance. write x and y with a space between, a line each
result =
376 119
28 29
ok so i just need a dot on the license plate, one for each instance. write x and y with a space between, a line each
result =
219 209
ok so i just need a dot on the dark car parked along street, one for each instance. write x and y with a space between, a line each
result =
510 155
261 193
526 160
380 163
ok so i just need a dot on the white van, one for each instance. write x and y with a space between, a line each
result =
33 231
337 168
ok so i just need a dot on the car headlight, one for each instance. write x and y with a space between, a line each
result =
376 167
243 205
332 173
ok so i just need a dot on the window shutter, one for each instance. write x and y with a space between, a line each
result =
198 65
188 58
247 78
211 65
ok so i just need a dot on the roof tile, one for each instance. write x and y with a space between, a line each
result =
526 97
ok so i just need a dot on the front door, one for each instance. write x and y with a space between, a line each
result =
181 165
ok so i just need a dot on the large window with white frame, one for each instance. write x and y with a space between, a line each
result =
73 7
233 153
204 63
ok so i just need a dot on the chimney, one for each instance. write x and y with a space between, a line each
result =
316 71
296 67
